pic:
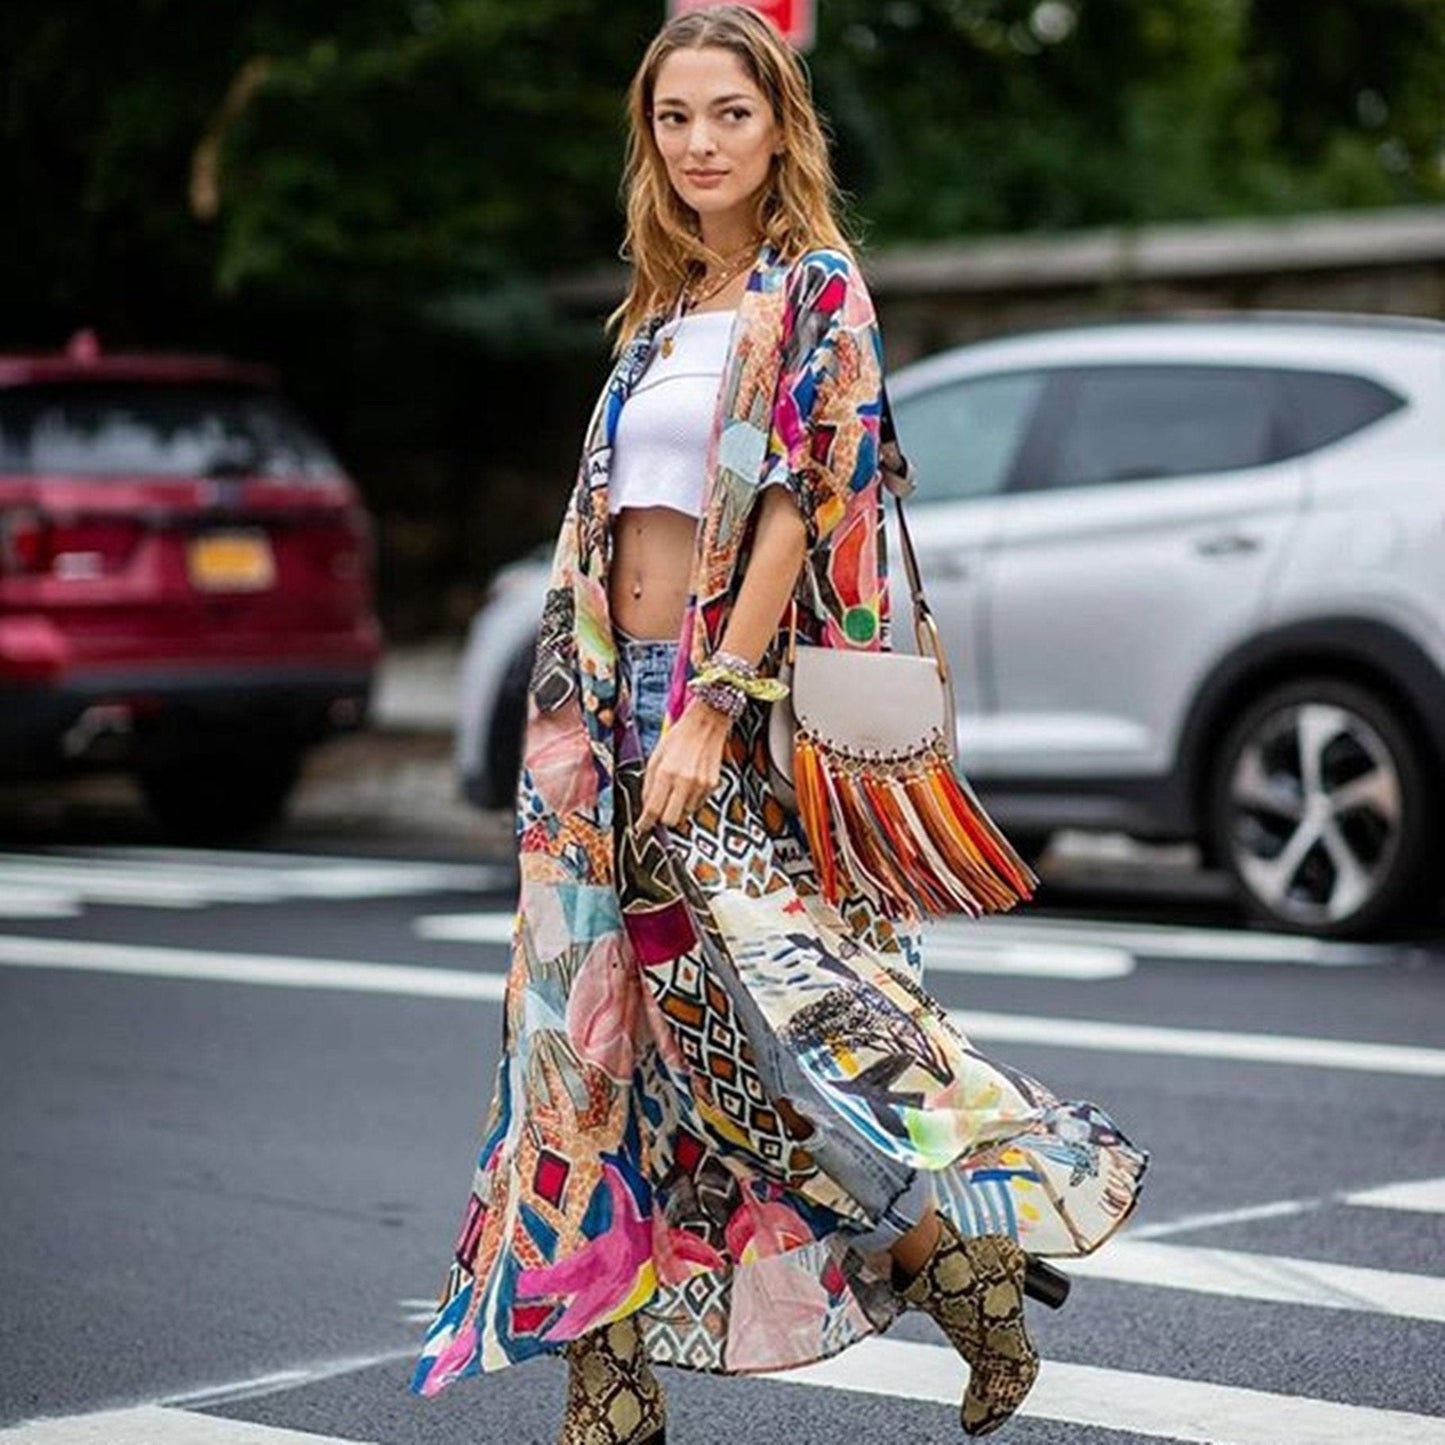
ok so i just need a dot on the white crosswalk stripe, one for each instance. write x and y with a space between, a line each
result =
267 970
1048 1032
951 952
1152 1405
57 882
1295 1050
20 900
1164 942
61 882
1425 1196
1043 947
1238 1275
158 1425
1070 1393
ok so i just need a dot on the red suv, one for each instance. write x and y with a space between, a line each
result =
185 582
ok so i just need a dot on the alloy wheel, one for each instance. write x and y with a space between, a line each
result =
1315 807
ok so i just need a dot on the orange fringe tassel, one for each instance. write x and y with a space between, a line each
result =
911 835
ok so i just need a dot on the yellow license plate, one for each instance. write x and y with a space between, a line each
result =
232 562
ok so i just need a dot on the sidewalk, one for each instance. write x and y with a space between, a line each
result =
402 773
395 783
416 689
398 778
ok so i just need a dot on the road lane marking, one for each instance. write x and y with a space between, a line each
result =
159 1425
1050 958
492 927
1218 1219
271 970
261 874
255 1387
1070 1033
19 901
270 860
1424 1196
195 879
1040 947
1164 942
1276 1278
1155 1406
1152 1405
1081 962
1292 1049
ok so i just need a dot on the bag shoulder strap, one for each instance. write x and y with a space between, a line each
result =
895 472
893 467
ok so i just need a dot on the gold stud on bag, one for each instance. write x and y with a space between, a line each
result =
863 747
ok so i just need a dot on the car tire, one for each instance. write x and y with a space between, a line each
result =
508 731
228 798
1321 809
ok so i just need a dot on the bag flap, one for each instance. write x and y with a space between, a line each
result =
863 703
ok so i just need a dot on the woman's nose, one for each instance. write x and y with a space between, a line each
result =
700 139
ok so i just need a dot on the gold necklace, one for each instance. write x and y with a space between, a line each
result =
694 295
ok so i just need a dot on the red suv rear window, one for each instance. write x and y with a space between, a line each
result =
122 428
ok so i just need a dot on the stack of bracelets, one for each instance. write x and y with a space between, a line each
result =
728 681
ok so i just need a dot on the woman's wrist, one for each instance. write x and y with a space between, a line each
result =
719 703
734 677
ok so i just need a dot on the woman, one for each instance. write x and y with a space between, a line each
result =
730 1131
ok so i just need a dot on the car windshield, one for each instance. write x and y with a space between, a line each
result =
129 428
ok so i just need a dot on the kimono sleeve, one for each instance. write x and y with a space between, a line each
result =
824 438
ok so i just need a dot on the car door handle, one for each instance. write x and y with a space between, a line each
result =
1226 544
943 566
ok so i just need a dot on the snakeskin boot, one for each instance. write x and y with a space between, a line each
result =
613 1398
974 1288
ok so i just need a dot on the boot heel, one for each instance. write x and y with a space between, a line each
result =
1046 1284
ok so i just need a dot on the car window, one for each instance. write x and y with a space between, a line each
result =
962 438
128 428
1132 423
1327 406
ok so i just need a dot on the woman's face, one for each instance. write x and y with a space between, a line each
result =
716 133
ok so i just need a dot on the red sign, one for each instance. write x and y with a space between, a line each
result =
793 17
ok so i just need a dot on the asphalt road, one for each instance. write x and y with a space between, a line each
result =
231 1181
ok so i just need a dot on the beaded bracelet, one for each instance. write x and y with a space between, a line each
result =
723 696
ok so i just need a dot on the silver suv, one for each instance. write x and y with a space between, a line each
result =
1191 575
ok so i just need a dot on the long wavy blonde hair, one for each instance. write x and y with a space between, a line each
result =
798 208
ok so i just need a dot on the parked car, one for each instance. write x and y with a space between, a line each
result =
1191 576
185 582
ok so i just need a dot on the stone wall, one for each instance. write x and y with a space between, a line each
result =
935 296
932 297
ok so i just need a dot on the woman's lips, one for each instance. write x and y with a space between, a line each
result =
705 178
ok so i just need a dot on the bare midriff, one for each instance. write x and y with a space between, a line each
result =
652 551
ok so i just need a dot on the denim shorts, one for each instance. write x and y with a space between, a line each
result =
647 664
894 1195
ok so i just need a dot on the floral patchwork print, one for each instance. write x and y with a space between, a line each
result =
632 1162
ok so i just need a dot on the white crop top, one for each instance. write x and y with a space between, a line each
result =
660 450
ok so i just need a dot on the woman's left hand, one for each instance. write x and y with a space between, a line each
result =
685 766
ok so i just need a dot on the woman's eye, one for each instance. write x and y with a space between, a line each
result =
670 117
737 112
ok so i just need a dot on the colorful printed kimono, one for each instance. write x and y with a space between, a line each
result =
632 1160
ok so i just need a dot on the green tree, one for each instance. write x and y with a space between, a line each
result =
374 194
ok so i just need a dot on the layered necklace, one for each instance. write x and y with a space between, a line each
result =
706 286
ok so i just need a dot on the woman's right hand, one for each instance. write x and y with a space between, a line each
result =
685 766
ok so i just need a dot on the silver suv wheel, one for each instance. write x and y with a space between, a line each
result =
1319 808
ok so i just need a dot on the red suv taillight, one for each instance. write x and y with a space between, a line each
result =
24 542
33 544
